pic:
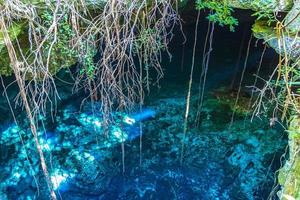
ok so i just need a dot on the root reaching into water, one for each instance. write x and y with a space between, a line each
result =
125 31
188 99
279 98
237 65
255 81
20 136
16 68
241 81
117 32
279 94
205 63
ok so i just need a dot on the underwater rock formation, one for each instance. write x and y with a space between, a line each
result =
235 164
227 97
79 159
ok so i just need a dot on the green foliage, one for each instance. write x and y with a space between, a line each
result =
145 37
289 174
5 68
265 15
265 12
221 12
62 55
89 67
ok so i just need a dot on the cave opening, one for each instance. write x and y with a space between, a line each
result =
230 150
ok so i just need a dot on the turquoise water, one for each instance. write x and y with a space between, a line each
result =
219 163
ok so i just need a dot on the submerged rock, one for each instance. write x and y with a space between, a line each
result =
228 97
235 160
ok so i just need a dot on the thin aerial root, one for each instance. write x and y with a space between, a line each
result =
241 81
205 63
255 81
188 99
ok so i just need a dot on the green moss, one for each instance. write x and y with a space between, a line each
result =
289 179
294 130
61 55
289 174
257 5
262 30
14 31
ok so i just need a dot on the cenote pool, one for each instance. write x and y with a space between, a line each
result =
227 152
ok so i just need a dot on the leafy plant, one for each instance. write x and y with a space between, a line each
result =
62 55
88 62
266 14
221 12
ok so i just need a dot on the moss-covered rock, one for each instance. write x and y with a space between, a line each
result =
14 30
61 56
289 174
276 5
292 20
290 43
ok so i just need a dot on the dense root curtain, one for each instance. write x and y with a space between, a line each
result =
109 41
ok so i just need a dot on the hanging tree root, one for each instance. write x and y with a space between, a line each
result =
16 68
139 29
